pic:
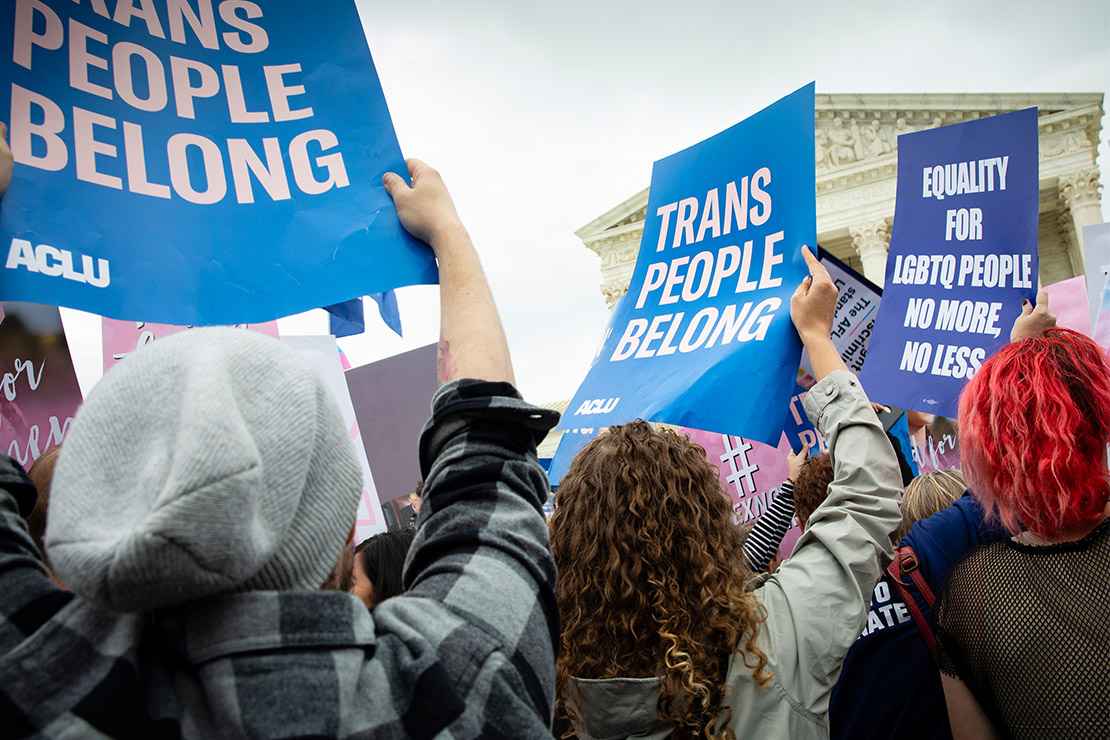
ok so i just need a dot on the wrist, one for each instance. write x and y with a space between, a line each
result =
815 337
447 235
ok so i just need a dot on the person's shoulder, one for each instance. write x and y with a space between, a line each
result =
984 571
85 675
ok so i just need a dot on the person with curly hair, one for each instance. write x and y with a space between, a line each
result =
812 487
1023 622
660 637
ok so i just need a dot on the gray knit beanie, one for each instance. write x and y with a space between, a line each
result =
210 462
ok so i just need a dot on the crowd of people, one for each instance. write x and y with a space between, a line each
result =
184 566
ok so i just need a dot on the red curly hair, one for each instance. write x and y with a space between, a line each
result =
651 582
1034 425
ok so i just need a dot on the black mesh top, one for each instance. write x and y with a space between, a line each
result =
1028 629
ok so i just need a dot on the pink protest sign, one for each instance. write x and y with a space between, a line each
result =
1068 300
121 338
750 473
40 392
936 446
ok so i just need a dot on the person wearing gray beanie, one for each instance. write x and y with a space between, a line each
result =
204 494
213 461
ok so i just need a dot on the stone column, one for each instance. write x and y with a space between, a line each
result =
613 293
871 241
1079 191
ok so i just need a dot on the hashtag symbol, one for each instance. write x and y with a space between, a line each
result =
731 456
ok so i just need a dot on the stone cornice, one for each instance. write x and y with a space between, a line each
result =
613 216
993 102
600 240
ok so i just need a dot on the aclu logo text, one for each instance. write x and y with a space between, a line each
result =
597 406
53 262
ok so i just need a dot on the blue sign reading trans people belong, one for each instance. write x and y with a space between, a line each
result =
704 338
197 161
963 256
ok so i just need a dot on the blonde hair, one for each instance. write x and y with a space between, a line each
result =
926 495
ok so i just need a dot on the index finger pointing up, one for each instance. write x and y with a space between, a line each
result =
816 269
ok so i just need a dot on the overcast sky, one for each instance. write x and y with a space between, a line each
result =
543 115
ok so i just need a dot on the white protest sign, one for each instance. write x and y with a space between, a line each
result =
1096 259
322 353
856 308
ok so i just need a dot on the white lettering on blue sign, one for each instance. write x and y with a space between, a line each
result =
50 261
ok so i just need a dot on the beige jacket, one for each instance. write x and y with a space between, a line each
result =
815 604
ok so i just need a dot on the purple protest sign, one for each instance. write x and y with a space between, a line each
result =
120 338
963 256
392 399
40 391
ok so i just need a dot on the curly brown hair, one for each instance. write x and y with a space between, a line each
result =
812 487
651 580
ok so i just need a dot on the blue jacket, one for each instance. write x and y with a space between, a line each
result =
889 686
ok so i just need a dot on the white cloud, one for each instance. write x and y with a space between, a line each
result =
543 115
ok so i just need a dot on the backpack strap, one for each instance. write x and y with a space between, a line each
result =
905 565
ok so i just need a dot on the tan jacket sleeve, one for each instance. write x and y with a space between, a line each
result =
817 602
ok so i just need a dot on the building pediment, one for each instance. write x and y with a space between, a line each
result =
856 144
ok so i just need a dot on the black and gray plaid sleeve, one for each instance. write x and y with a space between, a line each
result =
480 578
30 598
64 670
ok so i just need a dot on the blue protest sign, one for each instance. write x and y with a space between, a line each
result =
572 442
704 339
899 432
388 310
346 319
800 431
201 162
963 255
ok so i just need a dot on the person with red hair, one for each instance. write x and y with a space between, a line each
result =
1023 623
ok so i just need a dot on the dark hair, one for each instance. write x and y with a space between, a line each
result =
42 475
342 575
383 559
812 487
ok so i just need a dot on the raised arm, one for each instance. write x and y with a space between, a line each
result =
812 308
479 577
762 543
472 342
817 602
31 599
7 162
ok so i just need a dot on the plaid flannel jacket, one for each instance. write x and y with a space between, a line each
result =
466 652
